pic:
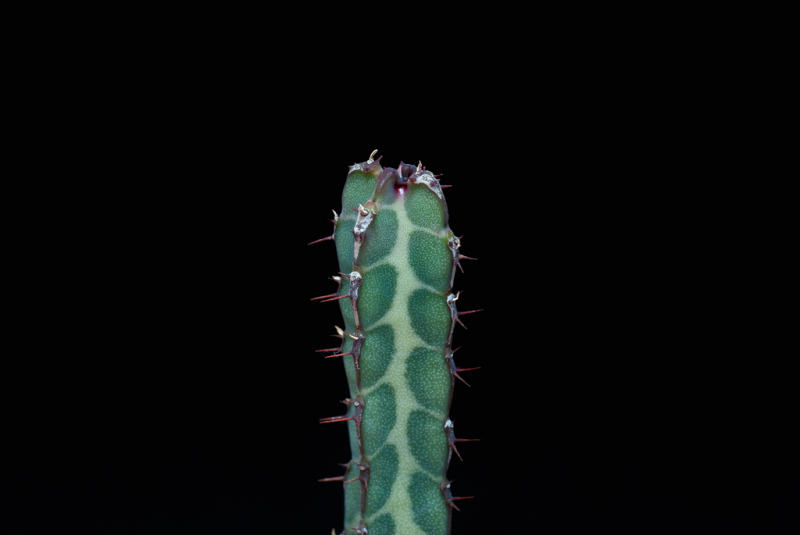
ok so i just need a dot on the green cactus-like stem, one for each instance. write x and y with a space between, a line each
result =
397 258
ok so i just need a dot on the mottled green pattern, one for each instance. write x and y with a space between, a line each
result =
427 503
380 415
431 260
346 307
349 366
429 379
430 317
424 209
380 239
403 316
357 190
344 243
379 346
352 498
428 445
384 469
383 525
376 294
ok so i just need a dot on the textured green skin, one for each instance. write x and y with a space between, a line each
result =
407 261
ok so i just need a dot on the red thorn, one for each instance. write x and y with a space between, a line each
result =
462 379
339 355
328 350
345 296
339 478
437 176
322 297
466 312
453 370
463 257
451 438
321 239
456 498
337 336
334 419
445 186
464 370
354 209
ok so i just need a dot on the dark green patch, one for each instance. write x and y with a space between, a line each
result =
358 189
352 435
382 476
352 499
428 378
427 504
383 525
380 238
376 294
376 354
427 440
344 243
380 415
430 316
346 306
350 372
423 207
431 259
349 365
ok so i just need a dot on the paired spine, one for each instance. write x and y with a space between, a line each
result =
397 262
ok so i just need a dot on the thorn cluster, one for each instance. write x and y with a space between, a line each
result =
335 222
451 364
358 409
451 437
448 495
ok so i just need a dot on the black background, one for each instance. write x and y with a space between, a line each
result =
168 383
